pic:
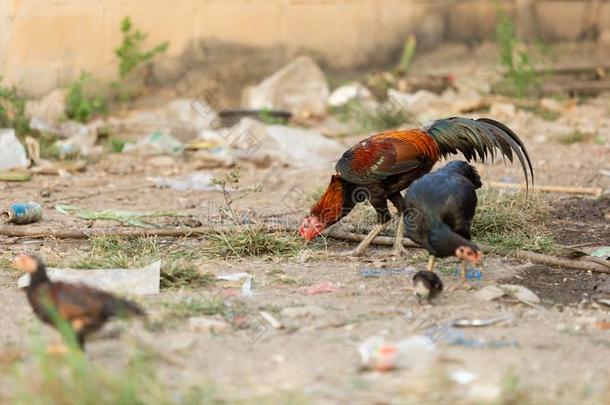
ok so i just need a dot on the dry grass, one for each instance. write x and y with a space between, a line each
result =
510 221
253 240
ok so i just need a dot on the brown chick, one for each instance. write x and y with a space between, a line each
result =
85 308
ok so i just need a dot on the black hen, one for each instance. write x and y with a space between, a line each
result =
440 207
426 285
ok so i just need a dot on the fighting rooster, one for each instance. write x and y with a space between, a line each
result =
86 309
440 207
380 167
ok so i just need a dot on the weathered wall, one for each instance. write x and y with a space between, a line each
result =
44 43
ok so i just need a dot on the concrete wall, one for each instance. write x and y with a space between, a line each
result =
45 43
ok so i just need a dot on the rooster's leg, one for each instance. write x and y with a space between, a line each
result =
431 261
366 242
400 230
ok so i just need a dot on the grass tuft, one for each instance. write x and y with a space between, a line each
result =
574 137
244 241
72 379
511 221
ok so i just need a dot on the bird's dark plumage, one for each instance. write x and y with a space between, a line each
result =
427 285
380 167
85 308
440 207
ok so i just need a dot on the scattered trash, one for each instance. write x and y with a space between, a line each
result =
348 92
602 325
299 87
15 175
271 320
12 152
198 181
413 352
146 280
522 294
321 288
246 288
462 377
603 252
471 273
464 322
202 324
132 218
62 150
457 337
407 271
603 301
157 143
22 213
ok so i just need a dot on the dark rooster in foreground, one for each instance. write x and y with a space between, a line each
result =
86 309
380 167
439 211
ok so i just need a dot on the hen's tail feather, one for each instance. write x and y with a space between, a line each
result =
479 139
122 308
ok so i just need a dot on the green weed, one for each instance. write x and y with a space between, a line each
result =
81 103
130 52
12 110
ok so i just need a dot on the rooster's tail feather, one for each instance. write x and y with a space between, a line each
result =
479 139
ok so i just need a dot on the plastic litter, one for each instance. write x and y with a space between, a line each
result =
321 288
157 143
407 271
12 152
464 322
378 354
457 337
133 218
143 281
22 213
603 252
246 287
198 181
348 92
463 376
522 294
471 273
15 175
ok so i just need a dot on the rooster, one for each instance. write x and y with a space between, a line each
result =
378 168
86 309
440 207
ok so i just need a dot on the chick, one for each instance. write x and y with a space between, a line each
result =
426 285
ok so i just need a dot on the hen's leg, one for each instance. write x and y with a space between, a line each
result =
400 230
431 261
366 242
463 283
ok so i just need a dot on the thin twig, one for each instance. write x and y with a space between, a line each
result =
594 191
519 254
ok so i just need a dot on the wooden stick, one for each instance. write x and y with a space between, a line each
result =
519 254
594 191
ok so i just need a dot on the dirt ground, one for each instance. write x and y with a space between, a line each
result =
557 352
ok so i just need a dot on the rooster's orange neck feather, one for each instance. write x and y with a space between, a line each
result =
330 207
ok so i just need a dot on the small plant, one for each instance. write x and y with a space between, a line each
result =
130 51
114 144
408 52
12 110
522 79
81 105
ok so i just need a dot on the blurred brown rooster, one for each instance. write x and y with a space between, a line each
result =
86 309
380 167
